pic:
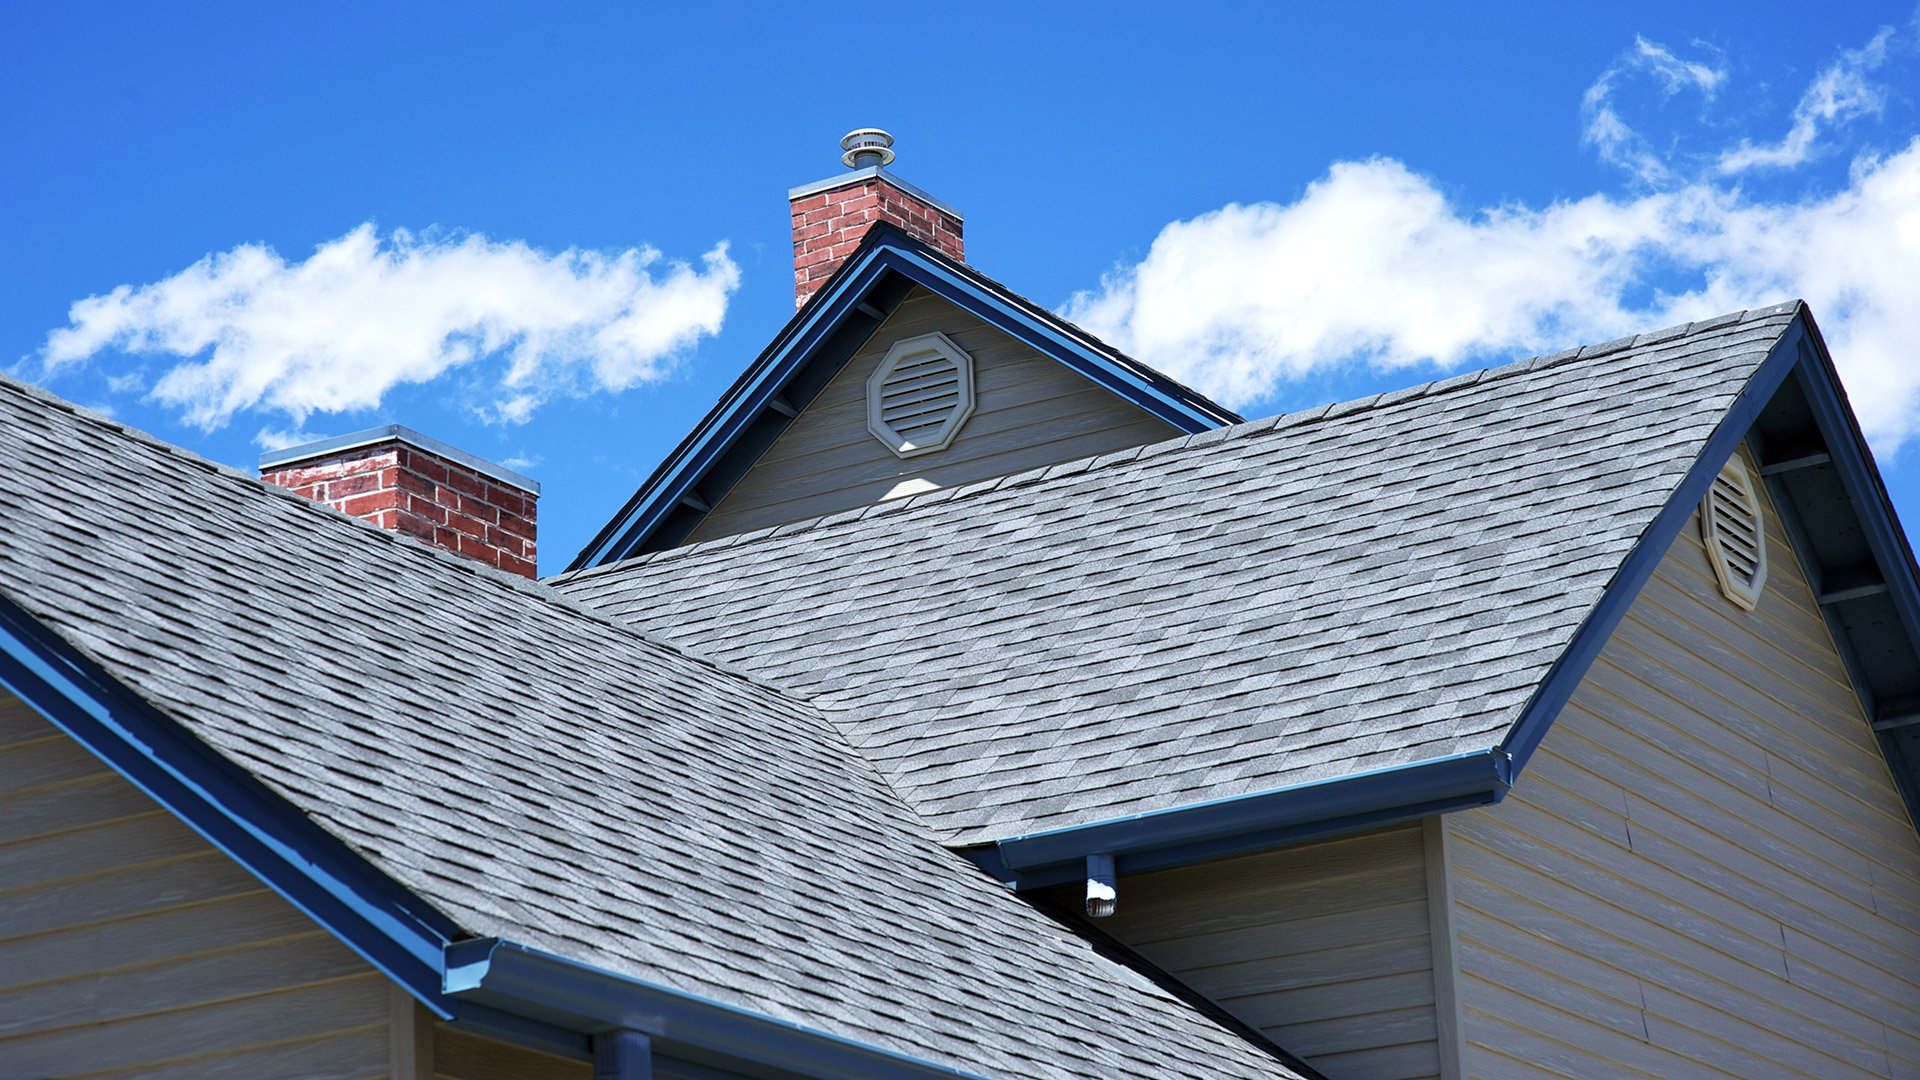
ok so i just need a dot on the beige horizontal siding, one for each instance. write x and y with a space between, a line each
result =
462 1055
129 946
1029 411
1705 870
1323 946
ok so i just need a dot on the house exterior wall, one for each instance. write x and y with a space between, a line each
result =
130 946
1323 946
1705 870
462 1055
1030 411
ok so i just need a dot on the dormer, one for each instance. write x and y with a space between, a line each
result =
903 371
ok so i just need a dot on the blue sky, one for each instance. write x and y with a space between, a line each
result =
552 238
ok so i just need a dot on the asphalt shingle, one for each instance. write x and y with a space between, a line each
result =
540 772
1282 601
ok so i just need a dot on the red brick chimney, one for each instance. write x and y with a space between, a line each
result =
399 479
830 216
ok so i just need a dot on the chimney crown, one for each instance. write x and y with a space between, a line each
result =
830 216
406 482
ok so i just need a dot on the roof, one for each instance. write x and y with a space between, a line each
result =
540 773
1299 600
818 341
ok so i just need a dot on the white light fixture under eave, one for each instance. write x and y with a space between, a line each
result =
920 395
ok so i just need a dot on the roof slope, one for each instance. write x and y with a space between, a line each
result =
1294 599
546 775
814 345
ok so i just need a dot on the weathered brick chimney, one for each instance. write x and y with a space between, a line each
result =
399 479
830 216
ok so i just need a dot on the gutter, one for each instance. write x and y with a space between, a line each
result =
1240 824
503 975
232 809
1218 828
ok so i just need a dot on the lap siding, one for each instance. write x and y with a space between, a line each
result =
129 946
1706 871
1325 947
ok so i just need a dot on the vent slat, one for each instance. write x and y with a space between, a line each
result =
949 388
921 394
1735 538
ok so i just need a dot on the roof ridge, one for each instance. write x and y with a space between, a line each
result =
536 588
1093 340
1333 411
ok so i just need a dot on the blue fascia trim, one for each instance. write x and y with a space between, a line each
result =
1047 339
1572 665
1218 827
718 431
1854 461
514 978
393 930
823 316
1193 833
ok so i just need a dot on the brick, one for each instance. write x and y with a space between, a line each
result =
424 507
811 202
410 480
515 565
354 485
466 483
467 526
413 524
518 526
479 509
364 505
476 549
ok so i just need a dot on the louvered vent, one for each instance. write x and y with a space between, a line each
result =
920 395
1735 537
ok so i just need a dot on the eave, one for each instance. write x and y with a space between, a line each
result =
818 341
1876 624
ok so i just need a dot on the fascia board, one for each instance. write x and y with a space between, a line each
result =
1052 341
739 405
390 928
507 976
1217 828
821 317
1873 509
1865 489
1571 667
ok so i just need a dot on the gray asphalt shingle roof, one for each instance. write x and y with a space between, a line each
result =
1294 599
542 773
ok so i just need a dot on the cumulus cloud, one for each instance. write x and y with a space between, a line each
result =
1840 93
365 313
1373 265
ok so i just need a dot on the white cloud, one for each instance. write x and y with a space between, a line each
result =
365 314
1617 142
1373 265
1840 93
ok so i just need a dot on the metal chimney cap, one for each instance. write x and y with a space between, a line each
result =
867 146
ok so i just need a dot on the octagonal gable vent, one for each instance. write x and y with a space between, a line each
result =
1735 536
920 395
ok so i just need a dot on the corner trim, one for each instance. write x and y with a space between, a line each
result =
1444 943
511 977
315 871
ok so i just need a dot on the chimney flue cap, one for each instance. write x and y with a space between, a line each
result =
867 146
